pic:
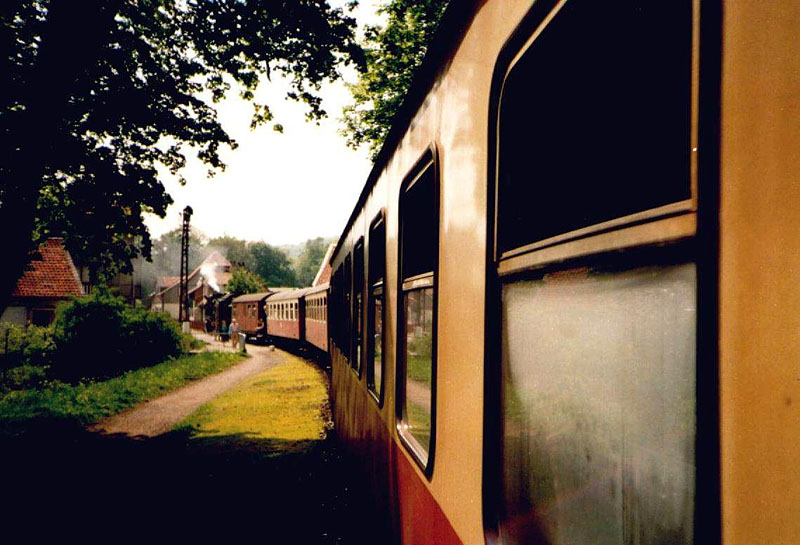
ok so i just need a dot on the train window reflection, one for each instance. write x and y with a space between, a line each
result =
599 406
418 308
376 384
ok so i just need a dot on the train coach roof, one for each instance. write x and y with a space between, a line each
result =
288 295
250 297
455 20
317 289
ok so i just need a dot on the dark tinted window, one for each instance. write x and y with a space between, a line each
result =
595 119
42 317
377 252
337 312
347 308
377 266
358 304
420 240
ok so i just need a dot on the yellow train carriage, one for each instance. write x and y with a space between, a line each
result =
564 308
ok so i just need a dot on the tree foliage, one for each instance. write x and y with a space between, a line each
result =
243 281
98 94
392 54
310 260
272 265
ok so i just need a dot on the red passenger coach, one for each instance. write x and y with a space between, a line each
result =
285 314
248 310
316 316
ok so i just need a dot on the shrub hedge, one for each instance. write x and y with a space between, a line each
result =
94 336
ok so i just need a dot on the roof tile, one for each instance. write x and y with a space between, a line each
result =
54 275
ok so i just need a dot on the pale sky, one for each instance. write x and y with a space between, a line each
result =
279 188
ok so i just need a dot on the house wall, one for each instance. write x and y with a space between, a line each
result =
14 315
172 309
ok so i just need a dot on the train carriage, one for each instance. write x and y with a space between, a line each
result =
285 314
249 311
315 303
563 309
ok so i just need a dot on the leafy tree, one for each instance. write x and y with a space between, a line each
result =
392 55
243 281
234 249
97 94
310 260
272 265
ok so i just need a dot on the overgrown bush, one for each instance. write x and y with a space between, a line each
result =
88 336
20 347
39 347
95 336
23 377
98 336
152 337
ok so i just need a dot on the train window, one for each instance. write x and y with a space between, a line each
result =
419 228
598 406
358 303
597 128
377 266
347 306
336 297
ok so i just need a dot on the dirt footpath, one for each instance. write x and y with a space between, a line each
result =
160 415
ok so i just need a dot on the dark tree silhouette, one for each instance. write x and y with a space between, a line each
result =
97 93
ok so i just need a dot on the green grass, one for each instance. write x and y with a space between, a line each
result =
419 368
281 411
419 423
86 403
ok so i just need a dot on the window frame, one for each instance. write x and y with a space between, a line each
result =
424 460
379 221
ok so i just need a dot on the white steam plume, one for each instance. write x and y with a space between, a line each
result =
207 271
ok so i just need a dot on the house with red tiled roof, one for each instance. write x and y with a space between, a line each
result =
51 277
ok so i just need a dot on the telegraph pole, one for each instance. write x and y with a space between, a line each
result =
183 297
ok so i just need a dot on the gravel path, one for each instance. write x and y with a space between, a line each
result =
159 415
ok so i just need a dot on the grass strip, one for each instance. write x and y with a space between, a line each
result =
280 411
85 403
